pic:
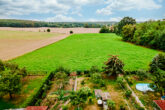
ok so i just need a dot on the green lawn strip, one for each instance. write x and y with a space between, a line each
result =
81 51
5 105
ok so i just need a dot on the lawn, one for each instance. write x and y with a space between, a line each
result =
30 84
81 51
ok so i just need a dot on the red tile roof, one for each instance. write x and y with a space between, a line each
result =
36 108
160 103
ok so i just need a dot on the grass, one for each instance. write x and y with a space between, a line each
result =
81 51
25 35
29 86
5 105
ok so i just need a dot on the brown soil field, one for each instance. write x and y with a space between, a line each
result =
13 47
56 30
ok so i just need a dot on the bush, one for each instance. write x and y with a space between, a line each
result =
114 66
130 80
48 30
71 32
94 69
123 22
158 62
128 93
111 104
104 29
128 32
142 74
122 107
65 107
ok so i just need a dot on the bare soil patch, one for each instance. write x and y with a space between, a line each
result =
55 30
11 48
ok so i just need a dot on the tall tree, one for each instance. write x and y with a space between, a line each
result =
123 22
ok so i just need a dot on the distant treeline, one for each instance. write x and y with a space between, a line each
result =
28 23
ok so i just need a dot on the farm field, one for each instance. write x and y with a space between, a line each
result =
55 30
16 43
81 51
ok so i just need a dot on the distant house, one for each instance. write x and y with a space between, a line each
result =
160 104
102 98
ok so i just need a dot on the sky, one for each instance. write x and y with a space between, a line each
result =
82 10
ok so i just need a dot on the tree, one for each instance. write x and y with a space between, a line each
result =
114 66
10 82
48 30
80 97
123 22
104 29
157 68
128 32
111 104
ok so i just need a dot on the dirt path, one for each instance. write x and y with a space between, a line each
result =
136 97
24 48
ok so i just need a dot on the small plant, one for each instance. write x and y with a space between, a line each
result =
128 93
122 107
142 74
48 30
104 29
65 107
82 82
71 32
111 104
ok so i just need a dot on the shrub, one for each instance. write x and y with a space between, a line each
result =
48 30
94 69
65 107
128 93
111 104
128 32
104 29
130 80
62 69
82 82
122 107
71 32
123 22
158 62
142 74
114 66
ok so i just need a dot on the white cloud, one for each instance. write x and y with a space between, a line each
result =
60 18
23 7
125 5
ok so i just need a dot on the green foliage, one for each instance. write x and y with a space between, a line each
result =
71 32
123 22
130 80
48 30
82 51
37 94
150 34
97 79
128 93
94 69
80 97
65 107
10 82
120 81
128 32
114 66
142 74
122 107
158 62
111 104
62 70
61 79
105 29
29 23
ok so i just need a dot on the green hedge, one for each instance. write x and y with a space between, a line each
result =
37 94
150 34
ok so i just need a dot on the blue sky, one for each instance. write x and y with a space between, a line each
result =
82 10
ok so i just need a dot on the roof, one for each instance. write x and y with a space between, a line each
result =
105 96
37 108
98 92
160 104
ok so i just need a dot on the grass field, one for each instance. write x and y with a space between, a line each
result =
81 51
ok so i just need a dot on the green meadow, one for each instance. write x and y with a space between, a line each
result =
81 51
